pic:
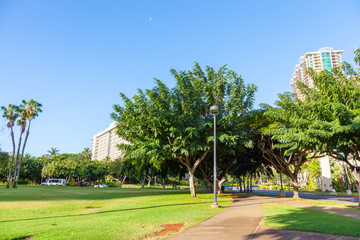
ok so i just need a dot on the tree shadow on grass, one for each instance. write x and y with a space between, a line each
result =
23 238
100 212
279 234
307 220
46 193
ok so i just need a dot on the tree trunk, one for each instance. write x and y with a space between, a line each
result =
22 153
191 183
17 161
149 181
240 184
356 174
219 184
143 182
345 174
12 158
163 183
359 193
296 189
122 181
251 177
244 183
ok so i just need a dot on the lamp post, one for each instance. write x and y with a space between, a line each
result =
214 111
282 192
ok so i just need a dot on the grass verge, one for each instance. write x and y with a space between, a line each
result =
284 216
92 213
328 193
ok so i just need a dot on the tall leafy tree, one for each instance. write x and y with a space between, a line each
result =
163 123
327 121
11 114
275 132
29 110
332 121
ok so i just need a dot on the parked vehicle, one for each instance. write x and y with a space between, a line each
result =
54 182
101 186
227 187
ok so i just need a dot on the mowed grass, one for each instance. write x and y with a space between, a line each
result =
36 212
284 216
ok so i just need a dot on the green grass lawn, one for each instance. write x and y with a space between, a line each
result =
34 212
320 202
284 216
328 193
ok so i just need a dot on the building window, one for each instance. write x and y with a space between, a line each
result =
326 61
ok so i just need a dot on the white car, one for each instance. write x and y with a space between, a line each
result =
227 187
101 186
54 182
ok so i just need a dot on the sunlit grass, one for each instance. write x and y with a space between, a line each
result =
284 216
92 213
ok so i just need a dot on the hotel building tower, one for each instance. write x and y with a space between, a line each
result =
104 144
324 59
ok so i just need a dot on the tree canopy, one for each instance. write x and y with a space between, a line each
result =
163 124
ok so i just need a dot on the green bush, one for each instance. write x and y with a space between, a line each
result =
111 183
23 182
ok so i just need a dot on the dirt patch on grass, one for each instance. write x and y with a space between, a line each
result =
92 207
169 228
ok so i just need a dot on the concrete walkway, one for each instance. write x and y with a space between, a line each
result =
242 221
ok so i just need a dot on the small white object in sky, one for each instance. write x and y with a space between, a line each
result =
150 18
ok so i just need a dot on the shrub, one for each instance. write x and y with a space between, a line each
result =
23 182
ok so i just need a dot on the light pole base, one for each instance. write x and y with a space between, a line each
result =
214 205
282 193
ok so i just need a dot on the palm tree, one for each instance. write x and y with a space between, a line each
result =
31 109
10 113
22 123
86 154
53 152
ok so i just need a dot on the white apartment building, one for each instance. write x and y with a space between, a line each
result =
104 144
324 59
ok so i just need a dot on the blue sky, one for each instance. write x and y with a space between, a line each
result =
75 57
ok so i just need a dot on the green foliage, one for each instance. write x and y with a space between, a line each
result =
31 168
325 122
357 56
175 125
4 163
23 182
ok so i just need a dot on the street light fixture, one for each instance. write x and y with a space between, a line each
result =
214 111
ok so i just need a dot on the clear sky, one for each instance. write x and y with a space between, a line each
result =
75 57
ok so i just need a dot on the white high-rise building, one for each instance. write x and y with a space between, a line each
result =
324 59
104 144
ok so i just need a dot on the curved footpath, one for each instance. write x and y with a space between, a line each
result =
242 221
